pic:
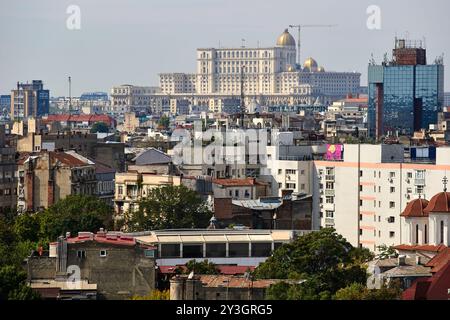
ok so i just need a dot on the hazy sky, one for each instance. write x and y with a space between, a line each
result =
131 41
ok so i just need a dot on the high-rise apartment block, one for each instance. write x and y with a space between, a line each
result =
29 99
405 94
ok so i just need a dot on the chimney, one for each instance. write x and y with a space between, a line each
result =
418 260
401 260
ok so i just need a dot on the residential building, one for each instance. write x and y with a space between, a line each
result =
110 265
132 186
8 178
29 100
47 177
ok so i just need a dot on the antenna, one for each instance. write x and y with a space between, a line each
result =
70 94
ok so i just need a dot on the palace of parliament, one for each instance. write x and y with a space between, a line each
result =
269 75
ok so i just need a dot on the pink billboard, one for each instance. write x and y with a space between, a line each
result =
334 152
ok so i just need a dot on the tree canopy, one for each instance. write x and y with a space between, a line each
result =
324 261
73 214
99 127
169 207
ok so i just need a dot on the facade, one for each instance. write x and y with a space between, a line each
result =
447 99
406 94
29 100
8 179
220 246
110 265
126 98
270 74
132 186
5 104
47 177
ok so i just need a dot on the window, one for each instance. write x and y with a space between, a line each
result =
330 185
170 251
216 250
290 171
391 204
149 253
238 249
103 253
236 193
262 249
280 171
192 250
409 175
392 189
329 214
360 188
360 173
442 232
360 232
391 219
81 254
391 234
391 174
329 199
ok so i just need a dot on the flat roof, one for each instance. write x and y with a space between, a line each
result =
214 236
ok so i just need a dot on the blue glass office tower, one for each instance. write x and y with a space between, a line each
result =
406 94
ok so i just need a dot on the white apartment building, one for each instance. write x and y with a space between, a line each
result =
126 98
363 194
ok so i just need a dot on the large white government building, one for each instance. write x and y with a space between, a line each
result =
270 75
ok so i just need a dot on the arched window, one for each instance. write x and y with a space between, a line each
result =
425 241
417 234
442 232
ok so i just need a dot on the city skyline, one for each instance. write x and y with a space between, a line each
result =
131 42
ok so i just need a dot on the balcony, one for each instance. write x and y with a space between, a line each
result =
419 182
328 206
329 192
329 177
329 221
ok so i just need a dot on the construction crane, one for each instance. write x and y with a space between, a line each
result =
299 28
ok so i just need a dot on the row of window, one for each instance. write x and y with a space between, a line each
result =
217 250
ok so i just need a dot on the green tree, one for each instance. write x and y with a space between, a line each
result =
99 127
358 291
170 207
13 286
324 260
27 227
73 214
203 267
164 122
385 252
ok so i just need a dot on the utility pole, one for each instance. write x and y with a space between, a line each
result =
299 28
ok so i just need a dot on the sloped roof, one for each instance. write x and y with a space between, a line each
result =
440 203
152 156
415 208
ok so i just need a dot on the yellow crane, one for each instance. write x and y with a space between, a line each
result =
299 28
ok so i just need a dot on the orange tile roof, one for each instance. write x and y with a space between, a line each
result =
415 208
236 182
439 203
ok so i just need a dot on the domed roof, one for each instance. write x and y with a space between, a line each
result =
415 208
321 69
290 68
439 203
285 39
310 65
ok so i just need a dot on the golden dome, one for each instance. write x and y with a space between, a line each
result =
321 69
310 65
290 68
285 39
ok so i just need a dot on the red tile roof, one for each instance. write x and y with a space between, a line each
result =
440 203
67 159
439 260
431 248
90 118
223 269
433 288
103 238
214 281
415 208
